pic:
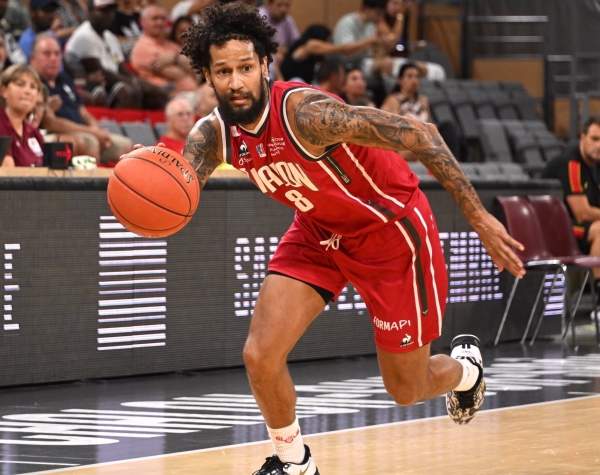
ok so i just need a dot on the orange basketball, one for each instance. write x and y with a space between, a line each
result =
153 192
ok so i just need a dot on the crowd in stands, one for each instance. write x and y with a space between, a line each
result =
83 55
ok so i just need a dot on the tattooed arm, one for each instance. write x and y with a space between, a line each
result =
203 148
318 121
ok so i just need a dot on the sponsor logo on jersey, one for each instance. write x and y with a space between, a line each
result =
243 152
270 177
390 326
276 146
261 151
406 341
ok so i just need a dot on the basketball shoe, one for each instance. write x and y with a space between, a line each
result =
463 405
274 466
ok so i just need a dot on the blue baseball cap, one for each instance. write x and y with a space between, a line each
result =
42 4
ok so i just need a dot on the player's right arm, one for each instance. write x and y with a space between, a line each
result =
203 148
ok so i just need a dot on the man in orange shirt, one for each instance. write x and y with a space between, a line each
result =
156 59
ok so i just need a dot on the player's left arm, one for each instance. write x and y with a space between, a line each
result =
319 121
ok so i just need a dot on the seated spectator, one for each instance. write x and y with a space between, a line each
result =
180 26
394 26
578 170
16 18
277 15
206 100
80 147
180 120
189 8
19 87
407 101
158 60
126 26
305 53
72 117
354 90
13 50
70 15
96 52
43 15
331 76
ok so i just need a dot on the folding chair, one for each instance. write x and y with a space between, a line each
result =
556 226
522 224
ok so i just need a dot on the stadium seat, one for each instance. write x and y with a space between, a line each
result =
160 129
523 225
494 142
111 125
556 225
139 132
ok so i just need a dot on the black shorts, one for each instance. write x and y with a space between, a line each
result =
581 231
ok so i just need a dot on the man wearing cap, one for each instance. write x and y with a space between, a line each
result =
96 51
43 13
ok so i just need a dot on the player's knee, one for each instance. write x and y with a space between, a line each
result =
405 395
254 357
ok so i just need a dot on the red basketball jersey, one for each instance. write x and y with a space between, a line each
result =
348 190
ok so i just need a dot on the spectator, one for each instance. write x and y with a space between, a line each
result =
407 101
206 100
13 50
16 19
180 120
43 15
355 89
578 170
37 116
302 57
357 26
96 52
277 15
158 60
180 26
19 87
70 15
126 26
331 76
4 60
72 117
394 25
189 7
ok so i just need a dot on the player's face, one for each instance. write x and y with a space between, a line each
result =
590 144
239 79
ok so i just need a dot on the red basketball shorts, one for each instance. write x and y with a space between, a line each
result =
399 271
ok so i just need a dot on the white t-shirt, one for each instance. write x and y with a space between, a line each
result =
86 43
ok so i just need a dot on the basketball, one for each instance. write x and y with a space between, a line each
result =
153 192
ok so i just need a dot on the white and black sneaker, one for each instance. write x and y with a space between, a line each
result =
274 466
463 405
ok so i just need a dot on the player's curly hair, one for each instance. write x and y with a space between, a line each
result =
223 22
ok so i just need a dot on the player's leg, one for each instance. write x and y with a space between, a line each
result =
284 309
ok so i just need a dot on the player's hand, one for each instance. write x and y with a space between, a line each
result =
139 145
498 243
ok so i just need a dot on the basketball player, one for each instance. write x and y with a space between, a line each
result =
360 217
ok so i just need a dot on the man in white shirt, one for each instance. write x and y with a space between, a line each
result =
95 51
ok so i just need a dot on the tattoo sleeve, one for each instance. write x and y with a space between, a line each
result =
321 121
202 150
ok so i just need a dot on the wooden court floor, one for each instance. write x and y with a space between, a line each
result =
561 437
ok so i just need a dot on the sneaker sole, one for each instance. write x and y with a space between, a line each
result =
462 339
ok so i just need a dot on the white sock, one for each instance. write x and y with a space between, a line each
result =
288 443
469 377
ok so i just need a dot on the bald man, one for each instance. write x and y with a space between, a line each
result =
180 120
156 59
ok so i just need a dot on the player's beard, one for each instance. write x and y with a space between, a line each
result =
245 115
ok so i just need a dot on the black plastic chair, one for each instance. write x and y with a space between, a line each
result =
522 224
556 227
